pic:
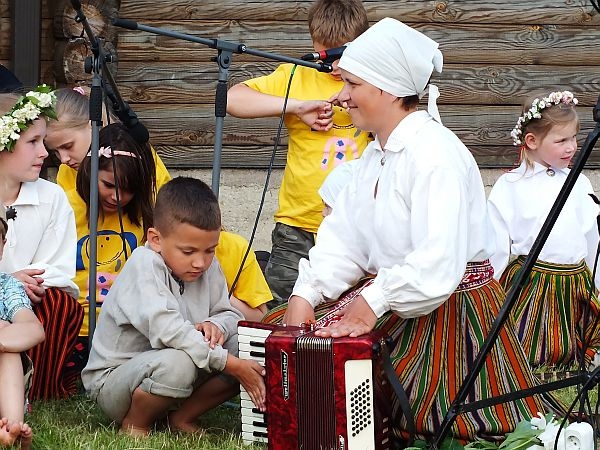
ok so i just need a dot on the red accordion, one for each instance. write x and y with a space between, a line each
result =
322 393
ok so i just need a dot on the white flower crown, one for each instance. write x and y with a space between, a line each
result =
535 112
28 108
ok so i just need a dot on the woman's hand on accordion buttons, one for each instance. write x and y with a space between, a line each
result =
298 311
357 319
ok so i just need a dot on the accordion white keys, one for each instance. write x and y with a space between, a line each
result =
322 393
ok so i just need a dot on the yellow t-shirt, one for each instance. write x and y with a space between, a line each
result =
111 252
251 287
67 177
311 154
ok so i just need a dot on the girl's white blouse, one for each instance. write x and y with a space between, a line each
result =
519 204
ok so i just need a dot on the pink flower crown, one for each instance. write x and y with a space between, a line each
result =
535 112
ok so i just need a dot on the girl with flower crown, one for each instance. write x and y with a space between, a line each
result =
556 313
40 239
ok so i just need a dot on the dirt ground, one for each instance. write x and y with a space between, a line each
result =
241 190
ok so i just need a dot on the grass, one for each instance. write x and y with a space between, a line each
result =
78 424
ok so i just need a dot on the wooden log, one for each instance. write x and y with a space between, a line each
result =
466 84
98 14
184 125
257 157
578 12
460 43
69 62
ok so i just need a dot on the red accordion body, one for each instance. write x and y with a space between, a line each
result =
322 393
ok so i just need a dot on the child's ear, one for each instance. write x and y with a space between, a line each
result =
531 141
153 237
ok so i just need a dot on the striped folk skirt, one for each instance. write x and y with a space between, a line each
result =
433 354
61 316
556 312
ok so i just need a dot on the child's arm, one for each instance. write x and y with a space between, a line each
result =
250 375
54 254
247 103
254 314
23 333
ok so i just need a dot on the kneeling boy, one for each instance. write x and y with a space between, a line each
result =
167 333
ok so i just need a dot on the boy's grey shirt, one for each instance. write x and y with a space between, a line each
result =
144 310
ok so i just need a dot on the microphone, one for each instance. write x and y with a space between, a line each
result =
327 56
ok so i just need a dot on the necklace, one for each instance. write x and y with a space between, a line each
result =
550 172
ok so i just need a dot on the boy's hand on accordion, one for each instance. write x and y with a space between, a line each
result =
298 311
357 319
250 375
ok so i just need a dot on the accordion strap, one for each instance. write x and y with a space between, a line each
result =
405 409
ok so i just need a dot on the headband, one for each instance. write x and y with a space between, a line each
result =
107 152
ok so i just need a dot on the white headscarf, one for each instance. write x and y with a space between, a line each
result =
397 59
336 180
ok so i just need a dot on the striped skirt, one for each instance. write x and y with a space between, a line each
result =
556 312
61 316
433 354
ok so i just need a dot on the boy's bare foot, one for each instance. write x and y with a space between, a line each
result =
133 431
181 425
26 437
9 432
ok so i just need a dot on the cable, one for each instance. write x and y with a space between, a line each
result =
266 186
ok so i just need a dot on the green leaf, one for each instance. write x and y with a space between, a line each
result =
480 444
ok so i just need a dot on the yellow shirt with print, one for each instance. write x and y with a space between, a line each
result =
311 154
251 287
112 252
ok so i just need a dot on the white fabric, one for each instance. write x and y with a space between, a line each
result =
417 234
337 179
397 59
43 236
519 204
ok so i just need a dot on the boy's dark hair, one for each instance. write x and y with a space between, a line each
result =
134 174
335 22
186 200
3 228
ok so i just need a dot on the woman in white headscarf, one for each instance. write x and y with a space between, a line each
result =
413 220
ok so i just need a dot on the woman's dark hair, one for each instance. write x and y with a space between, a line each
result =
136 174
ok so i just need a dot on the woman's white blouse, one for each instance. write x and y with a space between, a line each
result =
413 216
519 204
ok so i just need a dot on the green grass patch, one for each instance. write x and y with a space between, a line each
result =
78 424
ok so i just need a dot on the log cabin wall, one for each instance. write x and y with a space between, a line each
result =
495 52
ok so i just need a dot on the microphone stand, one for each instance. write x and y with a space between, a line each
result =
223 59
457 405
96 120
96 66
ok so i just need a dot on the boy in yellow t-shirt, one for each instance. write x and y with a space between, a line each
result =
321 136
